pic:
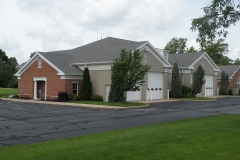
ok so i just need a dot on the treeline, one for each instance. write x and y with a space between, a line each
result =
8 67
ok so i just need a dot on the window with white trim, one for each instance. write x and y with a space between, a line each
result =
191 79
75 88
39 63
238 83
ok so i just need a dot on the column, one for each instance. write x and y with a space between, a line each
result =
35 90
45 90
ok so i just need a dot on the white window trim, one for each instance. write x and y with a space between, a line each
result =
39 63
74 89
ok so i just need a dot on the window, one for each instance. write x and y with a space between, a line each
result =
191 79
39 63
203 63
238 83
75 88
145 57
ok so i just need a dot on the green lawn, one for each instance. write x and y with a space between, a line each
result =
208 138
119 104
5 92
199 99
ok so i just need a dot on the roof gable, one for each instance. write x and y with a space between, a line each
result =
229 69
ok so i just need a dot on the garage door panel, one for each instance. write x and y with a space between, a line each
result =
208 85
133 95
155 81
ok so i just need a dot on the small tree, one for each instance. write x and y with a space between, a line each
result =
224 84
176 87
198 80
86 88
127 75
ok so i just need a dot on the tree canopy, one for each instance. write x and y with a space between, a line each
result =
217 52
176 45
218 16
127 74
7 71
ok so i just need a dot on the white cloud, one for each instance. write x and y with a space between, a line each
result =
33 25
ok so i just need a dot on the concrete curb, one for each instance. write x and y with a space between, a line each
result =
69 104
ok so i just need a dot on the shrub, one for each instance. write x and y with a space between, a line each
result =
86 88
72 97
63 96
176 89
230 92
78 98
96 98
186 90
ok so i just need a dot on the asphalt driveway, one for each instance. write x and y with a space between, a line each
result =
28 122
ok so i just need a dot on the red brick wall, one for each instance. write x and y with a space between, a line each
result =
233 82
54 83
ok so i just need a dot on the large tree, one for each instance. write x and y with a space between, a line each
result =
176 45
127 74
191 50
198 80
86 88
217 52
218 16
7 71
237 61
224 84
176 87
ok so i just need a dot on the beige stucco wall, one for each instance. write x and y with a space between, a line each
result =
100 78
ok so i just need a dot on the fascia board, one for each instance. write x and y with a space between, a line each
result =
29 63
234 73
89 63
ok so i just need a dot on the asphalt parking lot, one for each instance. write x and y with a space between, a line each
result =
22 123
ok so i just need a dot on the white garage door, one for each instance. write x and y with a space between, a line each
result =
208 85
155 81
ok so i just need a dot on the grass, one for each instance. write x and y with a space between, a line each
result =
212 138
5 92
119 104
199 99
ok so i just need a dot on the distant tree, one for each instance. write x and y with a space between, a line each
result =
191 50
176 45
127 75
176 87
237 61
217 51
32 54
224 84
198 80
218 16
7 71
3 56
86 88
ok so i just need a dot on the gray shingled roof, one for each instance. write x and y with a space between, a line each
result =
103 50
229 69
184 59
62 62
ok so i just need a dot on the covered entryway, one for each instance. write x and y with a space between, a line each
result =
155 85
208 85
40 88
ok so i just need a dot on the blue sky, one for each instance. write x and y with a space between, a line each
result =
48 25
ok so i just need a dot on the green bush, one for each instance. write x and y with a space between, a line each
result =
72 97
63 96
96 98
78 98
186 90
86 88
230 92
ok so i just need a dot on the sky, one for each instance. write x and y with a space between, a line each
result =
28 26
